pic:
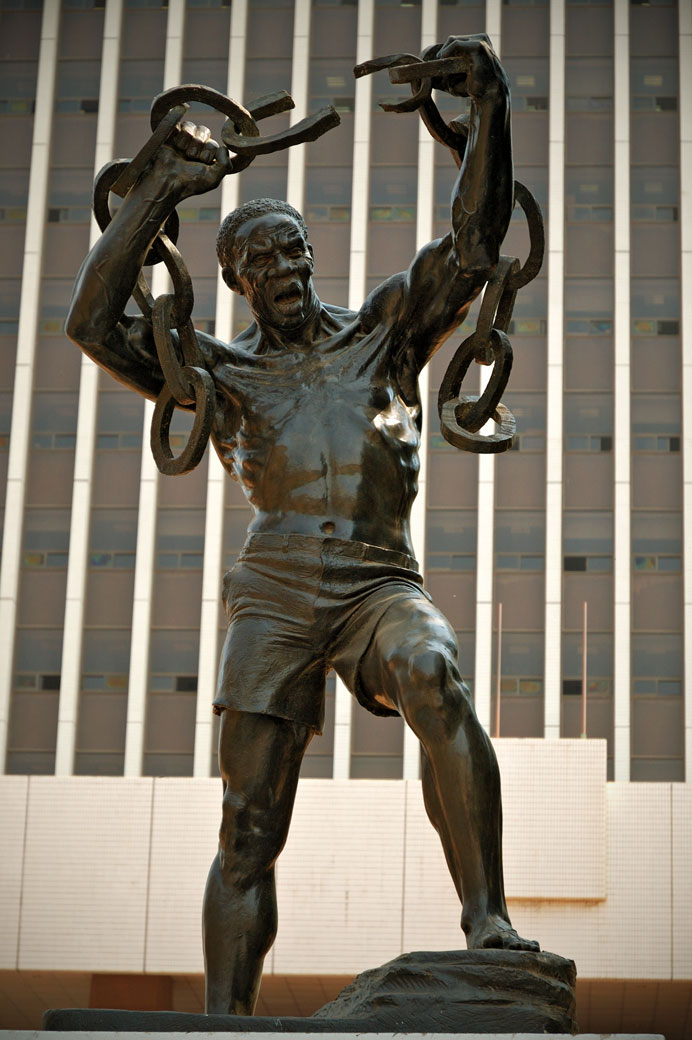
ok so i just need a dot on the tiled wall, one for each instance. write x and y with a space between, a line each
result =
107 874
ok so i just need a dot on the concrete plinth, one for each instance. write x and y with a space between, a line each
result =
16 1034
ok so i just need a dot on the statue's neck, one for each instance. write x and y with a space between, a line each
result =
304 335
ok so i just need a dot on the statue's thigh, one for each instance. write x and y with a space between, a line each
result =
260 756
412 628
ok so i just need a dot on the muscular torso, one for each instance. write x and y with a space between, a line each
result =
327 441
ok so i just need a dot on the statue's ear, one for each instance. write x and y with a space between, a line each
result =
230 279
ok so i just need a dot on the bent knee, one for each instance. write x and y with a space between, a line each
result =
430 692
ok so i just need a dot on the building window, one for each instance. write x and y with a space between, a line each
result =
654 84
655 306
113 540
654 193
54 420
451 539
589 193
180 538
519 540
588 306
46 537
588 422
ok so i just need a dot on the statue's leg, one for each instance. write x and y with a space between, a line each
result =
259 758
413 661
437 818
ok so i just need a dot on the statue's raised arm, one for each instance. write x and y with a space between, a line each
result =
189 163
431 299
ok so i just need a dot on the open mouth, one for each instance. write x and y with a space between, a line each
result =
290 295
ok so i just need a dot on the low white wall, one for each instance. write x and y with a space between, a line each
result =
107 874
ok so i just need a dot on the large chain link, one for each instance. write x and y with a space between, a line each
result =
187 383
462 416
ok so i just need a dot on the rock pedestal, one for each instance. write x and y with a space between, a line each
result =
462 991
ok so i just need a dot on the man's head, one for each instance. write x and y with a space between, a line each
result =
265 256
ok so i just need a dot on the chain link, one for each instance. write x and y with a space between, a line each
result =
187 383
463 415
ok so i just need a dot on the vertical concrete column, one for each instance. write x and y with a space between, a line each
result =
343 704
685 92
217 477
424 232
148 486
29 309
77 567
361 158
493 23
486 506
553 463
622 547
295 187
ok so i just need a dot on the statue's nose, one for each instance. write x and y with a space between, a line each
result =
283 263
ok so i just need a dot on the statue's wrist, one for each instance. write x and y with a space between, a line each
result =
495 94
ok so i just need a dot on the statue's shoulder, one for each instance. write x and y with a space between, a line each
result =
241 347
340 314
335 318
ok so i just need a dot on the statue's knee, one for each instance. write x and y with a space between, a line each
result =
431 693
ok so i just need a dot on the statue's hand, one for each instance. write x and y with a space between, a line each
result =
191 161
485 77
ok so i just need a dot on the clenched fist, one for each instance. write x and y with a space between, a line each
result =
484 78
192 160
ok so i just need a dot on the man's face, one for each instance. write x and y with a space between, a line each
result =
272 268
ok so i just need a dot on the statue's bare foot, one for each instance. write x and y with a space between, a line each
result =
494 933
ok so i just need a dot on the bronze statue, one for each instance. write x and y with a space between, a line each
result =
317 414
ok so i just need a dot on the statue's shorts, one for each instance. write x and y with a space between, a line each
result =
298 606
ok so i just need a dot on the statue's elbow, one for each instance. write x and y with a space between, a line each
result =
80 329
77 327
80 325
477 262
73 325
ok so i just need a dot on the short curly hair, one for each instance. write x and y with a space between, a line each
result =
254 208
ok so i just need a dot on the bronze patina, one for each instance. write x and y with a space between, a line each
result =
315 410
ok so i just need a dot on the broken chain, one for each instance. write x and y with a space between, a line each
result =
462 416
187 383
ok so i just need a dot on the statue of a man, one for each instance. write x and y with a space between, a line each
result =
319 417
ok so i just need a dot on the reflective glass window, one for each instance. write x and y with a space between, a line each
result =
106 651
587 532
654 84
519 531
655 413
528 79
654 532
588 306
654 193
656 656
654 298
588 414
17 86
46 537
599 657
589 193
589 84
77 80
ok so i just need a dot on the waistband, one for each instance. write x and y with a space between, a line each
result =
330 546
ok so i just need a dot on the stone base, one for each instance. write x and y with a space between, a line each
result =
463 991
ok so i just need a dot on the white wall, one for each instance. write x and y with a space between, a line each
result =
107 874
